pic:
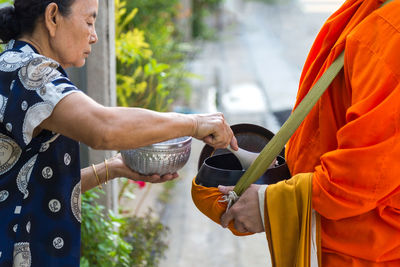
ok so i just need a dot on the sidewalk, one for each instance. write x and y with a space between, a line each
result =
195 240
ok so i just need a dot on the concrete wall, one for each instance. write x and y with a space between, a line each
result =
185 19
98 80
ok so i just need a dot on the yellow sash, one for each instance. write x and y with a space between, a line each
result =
288 221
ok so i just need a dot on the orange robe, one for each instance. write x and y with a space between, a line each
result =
351 138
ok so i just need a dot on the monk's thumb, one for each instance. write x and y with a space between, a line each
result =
225 189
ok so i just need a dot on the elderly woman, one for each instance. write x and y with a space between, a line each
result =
43 117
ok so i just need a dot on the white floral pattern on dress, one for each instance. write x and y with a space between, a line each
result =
24 105
11 61
28 227
38 75
3 104
12 85
76 202
38 72
4 195
58 242
67 159
46 145
22 255
24 175
9 127
9 45
33 117
54 205
47 172
9 153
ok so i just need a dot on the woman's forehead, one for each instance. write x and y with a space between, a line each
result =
86 7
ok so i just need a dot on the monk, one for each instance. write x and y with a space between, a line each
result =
347 148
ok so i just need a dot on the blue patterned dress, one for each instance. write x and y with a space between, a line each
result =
39 176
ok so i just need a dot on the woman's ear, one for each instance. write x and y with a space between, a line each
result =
51 17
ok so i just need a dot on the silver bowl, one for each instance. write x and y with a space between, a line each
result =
160 158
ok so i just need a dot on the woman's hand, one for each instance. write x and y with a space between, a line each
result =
214 130
117 168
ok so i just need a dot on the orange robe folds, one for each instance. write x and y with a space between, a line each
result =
351 138
210 202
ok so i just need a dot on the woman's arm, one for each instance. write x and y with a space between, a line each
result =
115 168
81 118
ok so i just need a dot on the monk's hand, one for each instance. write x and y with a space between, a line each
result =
214 130
245 213
118 168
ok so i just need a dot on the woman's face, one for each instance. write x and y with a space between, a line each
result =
75 34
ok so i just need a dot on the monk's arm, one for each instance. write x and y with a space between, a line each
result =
362 172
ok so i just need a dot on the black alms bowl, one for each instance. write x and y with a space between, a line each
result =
225 169
221 167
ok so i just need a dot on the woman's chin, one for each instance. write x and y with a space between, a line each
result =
79 64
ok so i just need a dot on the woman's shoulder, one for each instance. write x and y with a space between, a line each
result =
38 71
32 69
20 54
16 56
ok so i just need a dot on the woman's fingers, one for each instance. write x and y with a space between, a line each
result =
119 169
155 178
214 130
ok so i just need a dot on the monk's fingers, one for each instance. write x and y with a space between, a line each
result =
231 214
241 227
252 226
225 189
226 218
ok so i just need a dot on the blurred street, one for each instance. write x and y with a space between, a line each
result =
251 74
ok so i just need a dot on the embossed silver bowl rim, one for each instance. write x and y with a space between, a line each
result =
169 144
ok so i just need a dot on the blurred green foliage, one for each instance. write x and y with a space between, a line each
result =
101 242
116 241
201 10
147 237
150 61
6 2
